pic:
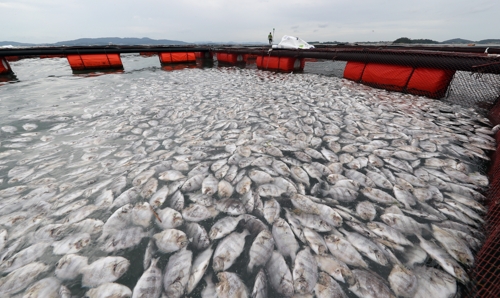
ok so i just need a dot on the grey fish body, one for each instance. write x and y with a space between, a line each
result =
444 260
169 217
344 251
305 272
327 287
198 269
224 226
70 266
261 249
335 268
434 282
260 286
454 246
230 285
71 244
150 282
176 274
24 257
103 270
198 235
271 210
47 287
369 285
228 250
280 277
403 281
284 239
20 278
366 247
170 240
109 290
124 239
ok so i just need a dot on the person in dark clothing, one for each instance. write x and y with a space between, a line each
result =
270 37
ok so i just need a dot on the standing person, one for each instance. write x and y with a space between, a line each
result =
270 37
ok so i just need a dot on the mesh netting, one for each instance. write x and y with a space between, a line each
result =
475 81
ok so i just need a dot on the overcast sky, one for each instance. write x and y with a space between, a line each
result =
47 21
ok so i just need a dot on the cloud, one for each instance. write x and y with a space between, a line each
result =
249 20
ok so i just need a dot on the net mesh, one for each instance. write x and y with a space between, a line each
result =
475 83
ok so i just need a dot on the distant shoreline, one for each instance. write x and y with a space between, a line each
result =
148 41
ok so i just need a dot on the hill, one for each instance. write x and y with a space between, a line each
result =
118 41
457 41
100 42
489 41
16 44
415 41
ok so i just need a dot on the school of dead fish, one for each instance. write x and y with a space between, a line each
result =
242 183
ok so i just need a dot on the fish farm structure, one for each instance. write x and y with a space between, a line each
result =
298 203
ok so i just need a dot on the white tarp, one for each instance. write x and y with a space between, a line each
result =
291 42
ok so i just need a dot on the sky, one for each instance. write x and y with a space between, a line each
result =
48 21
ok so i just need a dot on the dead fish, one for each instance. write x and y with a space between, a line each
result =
279 274
284 238
228 250
305 272
260 285
230 285
103 270
109 289
261 249
198 269
47 287
177 273
170 240
327 287
150 282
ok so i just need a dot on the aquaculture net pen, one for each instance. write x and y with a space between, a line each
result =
473 80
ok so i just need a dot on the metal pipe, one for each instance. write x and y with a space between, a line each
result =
96 50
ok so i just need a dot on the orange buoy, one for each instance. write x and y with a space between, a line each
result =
285 64
430 82
386 76
354 70
230 58
94 61
203 55
12 58
177 57
4 66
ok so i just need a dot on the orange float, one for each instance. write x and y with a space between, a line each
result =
430 82
94 61
285 64
229 58
177 57
386 76
354 70
203 55
4 66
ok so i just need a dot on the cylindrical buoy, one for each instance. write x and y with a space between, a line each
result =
95 61
177 57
